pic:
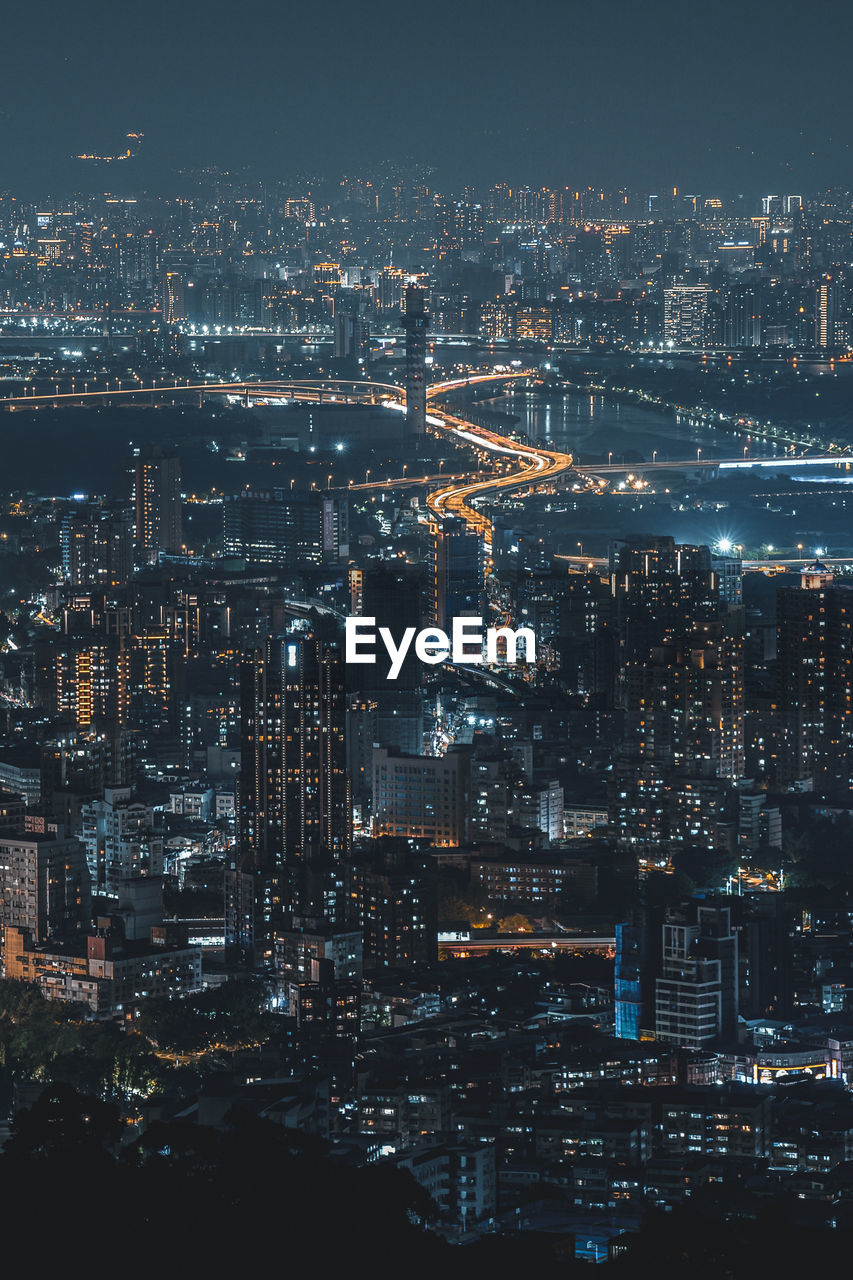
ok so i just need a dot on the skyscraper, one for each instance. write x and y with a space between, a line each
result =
174 308
293 814
457 571
814 684
157 502
685 704
827 312
44 884
661 590
393 596
96 547
352 330
685 314
415 321
696 997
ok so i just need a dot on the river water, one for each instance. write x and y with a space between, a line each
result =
592 426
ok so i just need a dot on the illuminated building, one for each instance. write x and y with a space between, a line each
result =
122 840
685 705
696 994
111 976
297 949
323 1004
532 879
661 589
92 681
45 884
827 313
814 689
97 548
424 797
352 332
157 502
327 273
391 293
572 615
151 657
630 983
497 320
685 315
275 526
174 303
20 772
415 321
743 318
462 1179
300 208
457 571
293 801
76 766
395 893
535 324
728 570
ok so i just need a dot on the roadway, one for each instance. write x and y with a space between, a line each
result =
775 564
272 391
720 464
552 943
534 464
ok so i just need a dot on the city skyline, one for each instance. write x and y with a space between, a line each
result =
426 638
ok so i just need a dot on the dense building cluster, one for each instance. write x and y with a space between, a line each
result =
547 265
563 930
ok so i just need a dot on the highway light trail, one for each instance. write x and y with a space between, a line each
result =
534 466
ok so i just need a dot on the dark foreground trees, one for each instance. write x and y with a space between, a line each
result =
81 1191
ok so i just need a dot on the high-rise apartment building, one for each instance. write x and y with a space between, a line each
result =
696 994
685 704
415 321
96 546
458 563
421 797
396 898
157 503
685 315
294 806
661 590
827 312
813 709
173 300
44 884
274 526
123 840
352 331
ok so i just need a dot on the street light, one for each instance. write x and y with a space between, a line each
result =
654 455
610 458
367 475
698 454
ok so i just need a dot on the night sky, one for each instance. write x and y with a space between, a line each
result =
726 96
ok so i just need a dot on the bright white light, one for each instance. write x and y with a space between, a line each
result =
724 545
